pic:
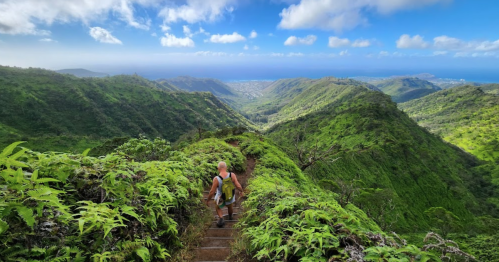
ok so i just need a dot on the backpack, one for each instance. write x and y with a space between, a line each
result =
228 188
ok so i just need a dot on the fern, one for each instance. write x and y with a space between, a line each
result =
26 214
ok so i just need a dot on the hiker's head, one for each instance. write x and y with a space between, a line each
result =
222 166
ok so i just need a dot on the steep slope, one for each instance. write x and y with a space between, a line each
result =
81 73
64 111
193 84
406 88
464 116
289 98
381 146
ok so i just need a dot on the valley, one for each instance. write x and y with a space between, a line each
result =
338 165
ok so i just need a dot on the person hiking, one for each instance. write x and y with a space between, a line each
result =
223 189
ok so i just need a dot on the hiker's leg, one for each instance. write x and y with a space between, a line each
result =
219 212
230 209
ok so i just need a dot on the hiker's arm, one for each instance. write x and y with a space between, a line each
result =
236 183
213 190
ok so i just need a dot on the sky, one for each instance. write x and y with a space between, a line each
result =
254 39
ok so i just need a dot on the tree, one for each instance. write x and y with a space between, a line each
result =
346 190
447 248
378 204
308 156
443 220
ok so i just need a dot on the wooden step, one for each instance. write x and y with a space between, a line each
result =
216 241
228 224
212 253
220 232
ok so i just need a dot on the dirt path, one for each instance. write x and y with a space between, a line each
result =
215 246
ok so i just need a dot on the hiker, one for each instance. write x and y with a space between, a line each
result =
224 186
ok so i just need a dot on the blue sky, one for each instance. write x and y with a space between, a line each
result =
235 39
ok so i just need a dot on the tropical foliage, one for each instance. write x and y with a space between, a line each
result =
57 206
403 89
464 116
64 113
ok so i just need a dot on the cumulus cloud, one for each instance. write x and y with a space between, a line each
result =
344 53
246 47
102 35
361 43
48 40
187 31
277 54
25 16
295 54
341 15
335 42
253 34
256 47
170 40
194 11
227 39
293 40
415 42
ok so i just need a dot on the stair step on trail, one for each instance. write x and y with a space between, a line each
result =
213 253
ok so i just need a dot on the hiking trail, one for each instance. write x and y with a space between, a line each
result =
216 243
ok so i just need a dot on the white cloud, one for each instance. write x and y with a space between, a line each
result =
415 42
256 48
339 15
361 43
48 40
154 34
437 53
226 39
253 34
277 54
103 36
246 47
293 40
194 11
25 16
202 31
210 53
295 54
335 42
384 53
187 31
170 40
165 28
344 53
448 43
270 34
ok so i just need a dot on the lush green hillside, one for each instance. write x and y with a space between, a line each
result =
464 116
81 73
490 88
193 84
290 98
382 147
406 88
61 112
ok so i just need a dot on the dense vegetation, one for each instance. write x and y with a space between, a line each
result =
394 158
60 112
406 88
490 88
464 116
193 84
290 218
57 207
81 73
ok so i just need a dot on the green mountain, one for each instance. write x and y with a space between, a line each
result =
396 161
406 88
57 112
465 116
193 84
81 73
280 100
490 88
